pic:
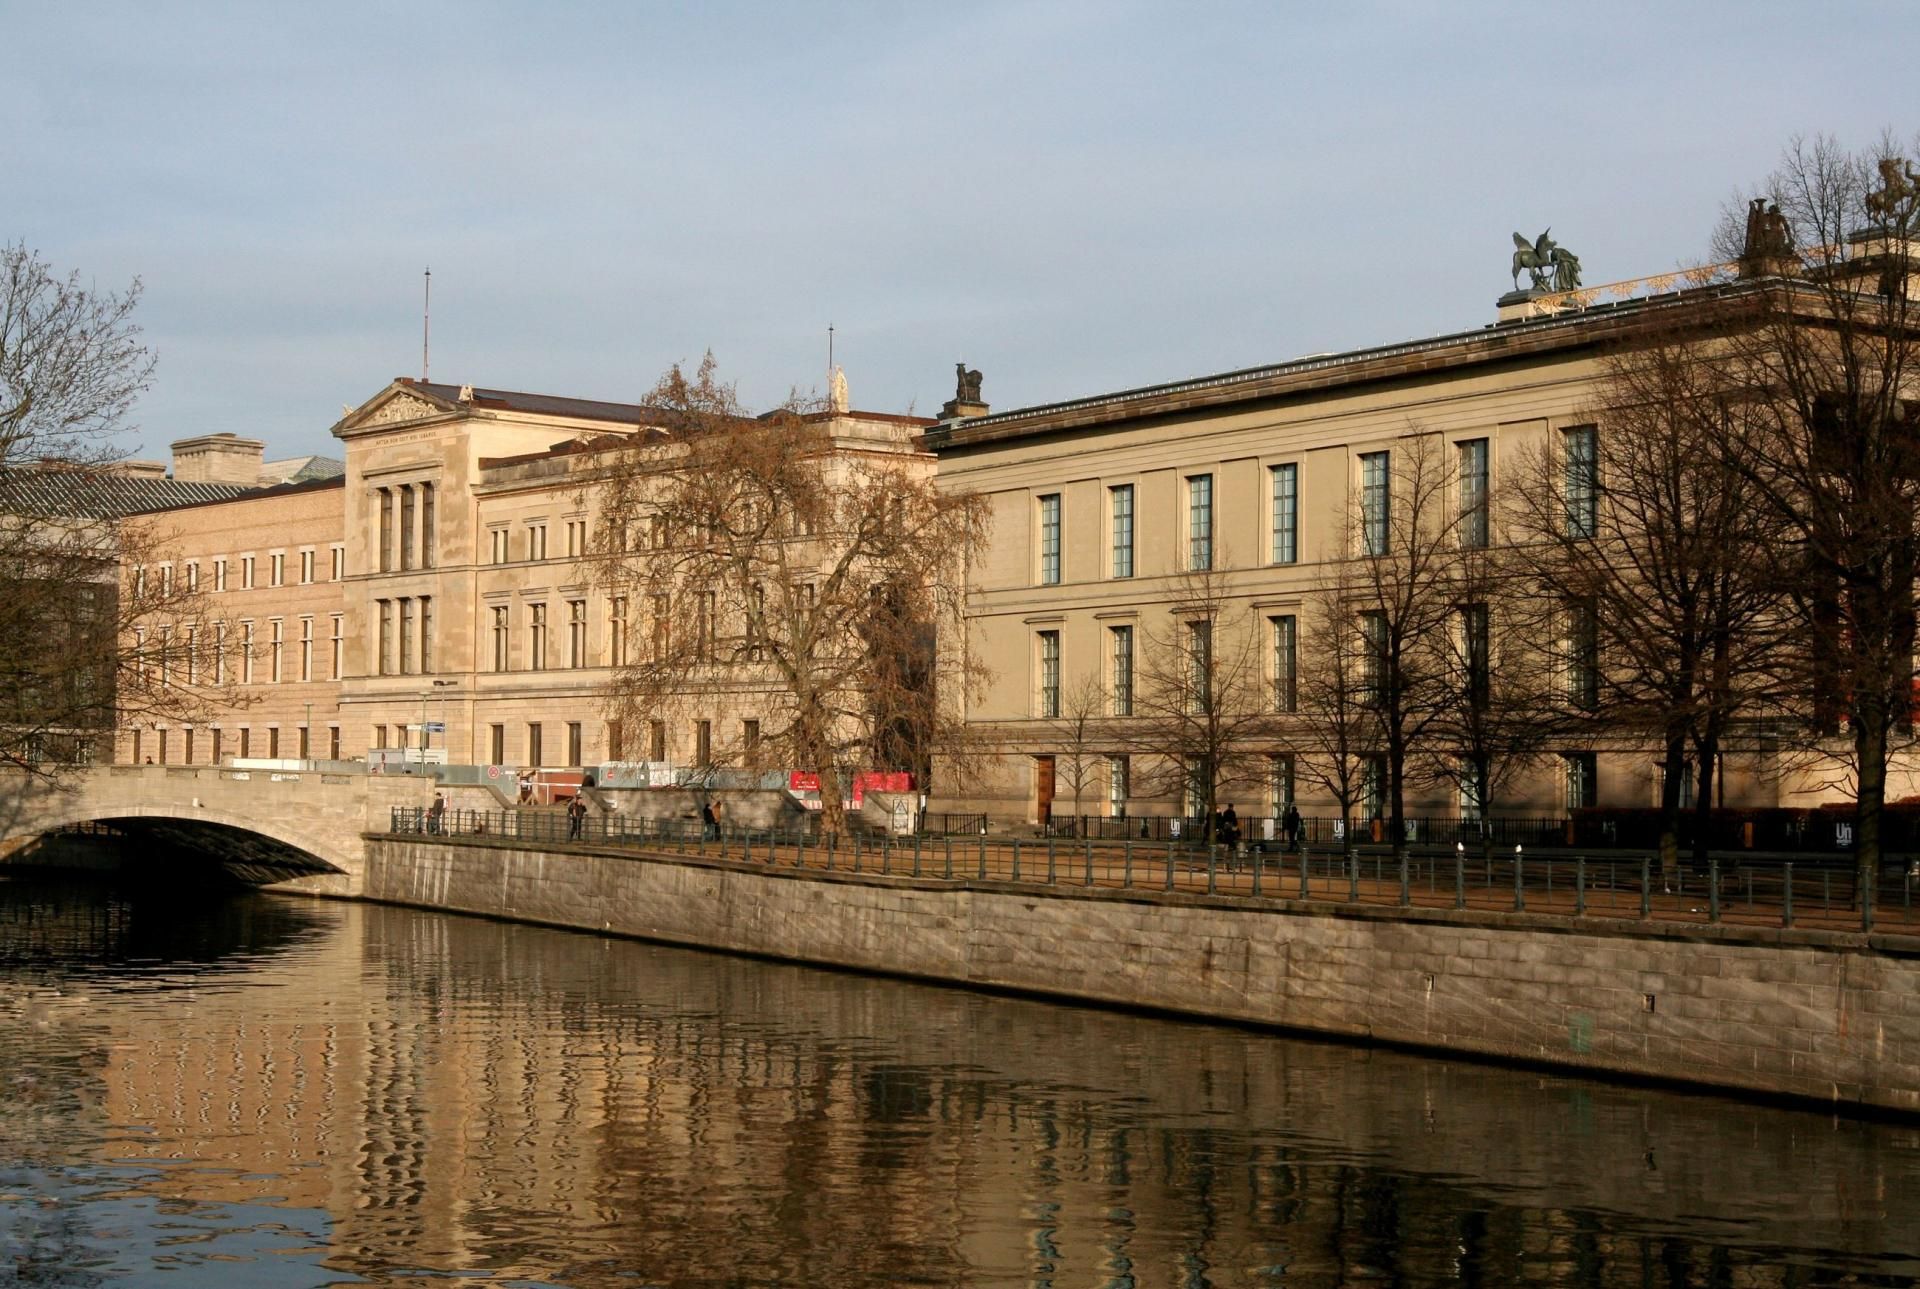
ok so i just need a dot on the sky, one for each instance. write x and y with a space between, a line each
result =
1072 197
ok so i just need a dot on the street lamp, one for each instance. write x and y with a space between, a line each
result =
443 686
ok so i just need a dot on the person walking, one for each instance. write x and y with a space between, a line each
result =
709 826
435 813
1290 825
576 815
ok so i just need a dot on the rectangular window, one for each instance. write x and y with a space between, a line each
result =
662 625
502 545
536 541
339 554
537 638
1375 502
406 636
306 648
1286 664
246 653
337 646
1582 780
306 567
1286 514
703 743
166 580
380 736
536 752
386 530
1199 522
219 653
246 572
656 741
1475 655
1050 539
273 742
1121 639
574 750
277 570
215 758
576 538
193 575
496 745
616 741
1200 675
333 742
617 632
306 743
1582 480
386 636
186 737
276 640
1373 786
406 528
1119 786
192 650
1280 770
1473 494
426 633
136 747
246 742
500 638
426 525
220 574
576 633
1049 674
705 625
1373 655
750 743
1583 657
1121 501
1472 792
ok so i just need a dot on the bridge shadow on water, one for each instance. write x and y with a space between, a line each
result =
170 852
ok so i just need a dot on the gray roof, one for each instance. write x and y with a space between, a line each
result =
101 494
301 469
588 409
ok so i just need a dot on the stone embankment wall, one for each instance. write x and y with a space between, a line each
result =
1821 1015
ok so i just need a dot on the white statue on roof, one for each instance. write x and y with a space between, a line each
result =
837 393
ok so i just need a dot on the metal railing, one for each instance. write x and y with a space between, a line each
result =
1760 890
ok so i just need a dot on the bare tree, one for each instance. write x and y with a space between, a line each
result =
1398 586
810 581
1824 424
1335 726
1080 737
1658 553
1203 716
93 626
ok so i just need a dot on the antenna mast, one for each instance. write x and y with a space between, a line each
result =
829 354
426 325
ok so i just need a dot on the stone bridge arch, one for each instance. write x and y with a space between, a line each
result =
292 830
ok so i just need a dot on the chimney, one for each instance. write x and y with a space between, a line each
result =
218 458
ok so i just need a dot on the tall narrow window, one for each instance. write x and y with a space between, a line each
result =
246 572
496 744
1049 674
750 743
1286 686
656 741
193 575
215 757
576 633
537 638
1199 522
406 527
306 567
1583 657
502 545
1122 505
1373 655
333 742
703 743
575 752
1373 786
339 554
386 530
536 752
277 640
277 569
1286 514
616 740
617 632
220 574
220 653
406 635
500 639
1581 780
426 633
1121 638
1119 786
1473 793
705 625
426 525
1050 539
1582 482
1475 644
1473 494
1280 770
306 742
246 742
537 541
338 645
306 648
1200 676
1375 502
384 663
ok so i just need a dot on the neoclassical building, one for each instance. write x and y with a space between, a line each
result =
432 597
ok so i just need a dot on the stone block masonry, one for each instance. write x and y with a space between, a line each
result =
1823 1016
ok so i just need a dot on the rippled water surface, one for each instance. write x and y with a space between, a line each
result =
266 1091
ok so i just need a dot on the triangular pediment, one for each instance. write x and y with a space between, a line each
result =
399 403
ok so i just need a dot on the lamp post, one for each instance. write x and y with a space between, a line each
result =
446 740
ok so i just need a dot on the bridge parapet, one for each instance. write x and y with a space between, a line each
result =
295 830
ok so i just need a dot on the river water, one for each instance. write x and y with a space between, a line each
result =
209 1090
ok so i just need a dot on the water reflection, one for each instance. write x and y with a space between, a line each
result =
406 1095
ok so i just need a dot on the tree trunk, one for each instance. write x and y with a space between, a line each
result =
1703 795
1674 765
1870 737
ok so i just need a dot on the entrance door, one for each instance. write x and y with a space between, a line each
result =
1043 789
